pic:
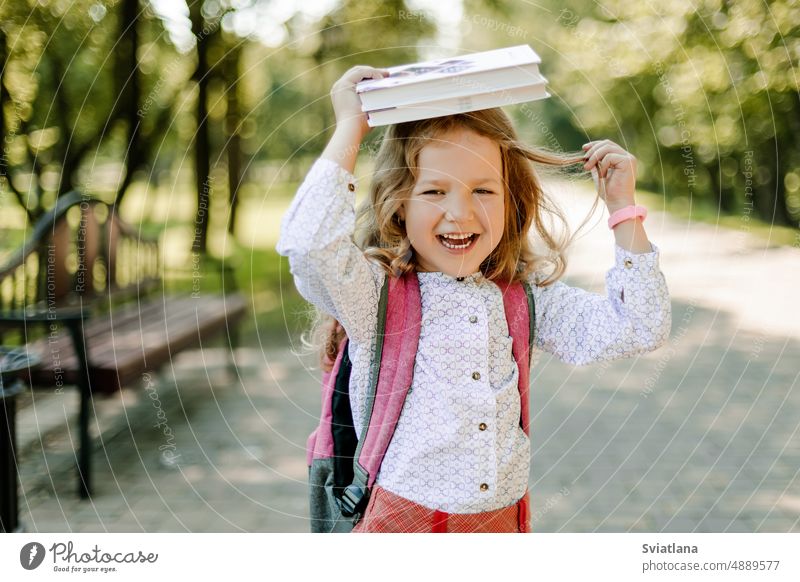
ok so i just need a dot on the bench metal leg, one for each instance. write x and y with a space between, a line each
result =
233 343
84 385
9 503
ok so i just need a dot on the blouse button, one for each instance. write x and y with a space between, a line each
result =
351 187
482 426
628 263
476 375
484 487
473 319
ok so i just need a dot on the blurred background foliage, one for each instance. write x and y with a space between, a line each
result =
164 106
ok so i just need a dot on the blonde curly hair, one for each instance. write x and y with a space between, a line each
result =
382 235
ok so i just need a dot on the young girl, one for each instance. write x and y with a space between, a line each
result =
455 198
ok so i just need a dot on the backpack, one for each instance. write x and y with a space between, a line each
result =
342 466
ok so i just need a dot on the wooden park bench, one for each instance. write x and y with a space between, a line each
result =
93 287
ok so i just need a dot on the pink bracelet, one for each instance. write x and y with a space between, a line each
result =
627 213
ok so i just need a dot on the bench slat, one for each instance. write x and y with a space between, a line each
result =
125 345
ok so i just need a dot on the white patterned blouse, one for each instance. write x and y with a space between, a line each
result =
458 446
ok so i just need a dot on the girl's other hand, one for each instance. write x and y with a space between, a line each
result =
347 105
614 171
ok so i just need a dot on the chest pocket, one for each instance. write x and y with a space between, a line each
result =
502 366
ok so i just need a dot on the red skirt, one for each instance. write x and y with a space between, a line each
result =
390 513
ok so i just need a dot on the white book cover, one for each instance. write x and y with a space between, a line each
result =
451 77
452 87
439 108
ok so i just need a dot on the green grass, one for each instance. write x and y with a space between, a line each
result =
279 314
704 211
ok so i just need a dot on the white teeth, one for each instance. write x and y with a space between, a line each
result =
458 236
468 238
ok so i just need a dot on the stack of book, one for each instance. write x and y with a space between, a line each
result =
454 85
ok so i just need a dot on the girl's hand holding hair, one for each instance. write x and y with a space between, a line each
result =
351 122
614 172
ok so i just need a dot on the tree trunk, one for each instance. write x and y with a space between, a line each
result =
5 168
232 122
128 90
201 144
3 59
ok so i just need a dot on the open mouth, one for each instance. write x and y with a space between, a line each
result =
458 241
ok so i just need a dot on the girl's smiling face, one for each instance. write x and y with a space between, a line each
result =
455 216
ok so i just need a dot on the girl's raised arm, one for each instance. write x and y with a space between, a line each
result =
351 122
635 315
329 270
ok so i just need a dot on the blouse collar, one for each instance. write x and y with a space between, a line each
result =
448 279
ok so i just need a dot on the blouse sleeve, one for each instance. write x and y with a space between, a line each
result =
329 270
635 316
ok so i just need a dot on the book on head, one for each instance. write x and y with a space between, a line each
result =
453 85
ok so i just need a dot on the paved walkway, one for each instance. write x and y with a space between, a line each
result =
702 435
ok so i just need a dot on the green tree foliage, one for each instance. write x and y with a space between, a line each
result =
705 94
66 97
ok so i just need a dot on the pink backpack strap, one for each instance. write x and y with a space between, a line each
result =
394 373
320 442
390 379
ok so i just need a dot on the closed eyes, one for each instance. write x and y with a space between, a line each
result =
479 190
